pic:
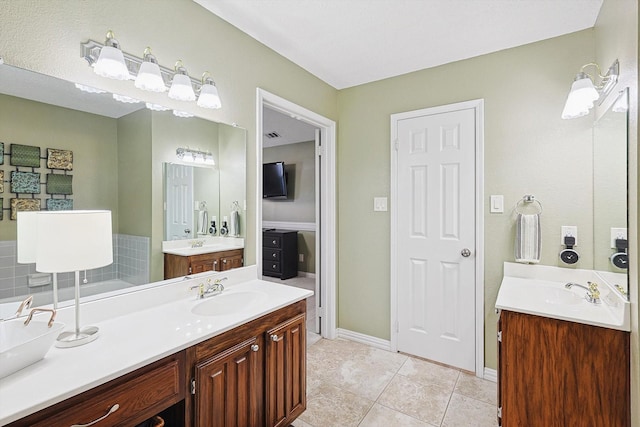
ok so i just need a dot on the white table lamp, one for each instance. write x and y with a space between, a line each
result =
73 241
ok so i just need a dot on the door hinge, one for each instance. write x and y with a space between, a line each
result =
193 386
320 150
499 336
500 412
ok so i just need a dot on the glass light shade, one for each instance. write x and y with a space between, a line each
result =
125 99
111 64
149 78
26 237
73 240
209 97
181 89
581 97
156 107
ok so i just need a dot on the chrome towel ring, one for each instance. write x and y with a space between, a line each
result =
527 200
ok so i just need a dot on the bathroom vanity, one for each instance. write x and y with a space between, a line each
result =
182 258
243 366
562 360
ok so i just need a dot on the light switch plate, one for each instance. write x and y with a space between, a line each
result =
568 230
380 204
617 233
497 204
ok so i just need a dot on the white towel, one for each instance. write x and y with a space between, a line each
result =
234 224
203 223
527 245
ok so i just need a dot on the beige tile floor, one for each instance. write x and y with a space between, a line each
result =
353 384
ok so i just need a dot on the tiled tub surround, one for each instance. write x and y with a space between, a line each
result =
130 267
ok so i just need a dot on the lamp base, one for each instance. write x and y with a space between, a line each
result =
75 339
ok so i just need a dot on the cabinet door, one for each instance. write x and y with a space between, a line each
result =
229 262
229 387
203 263
286 372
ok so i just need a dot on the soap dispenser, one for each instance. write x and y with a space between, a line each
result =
213 230
224 230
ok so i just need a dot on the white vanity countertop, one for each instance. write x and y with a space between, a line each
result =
540 290
208 245
135 329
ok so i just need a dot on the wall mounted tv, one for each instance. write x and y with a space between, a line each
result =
274 180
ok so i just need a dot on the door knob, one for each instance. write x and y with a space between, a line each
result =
465 252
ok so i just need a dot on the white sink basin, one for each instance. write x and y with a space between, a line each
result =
21 346
561 296
229 302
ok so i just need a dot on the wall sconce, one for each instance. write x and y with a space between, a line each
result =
194 156
584 92
108 60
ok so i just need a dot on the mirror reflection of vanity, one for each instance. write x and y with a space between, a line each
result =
610 191
118 155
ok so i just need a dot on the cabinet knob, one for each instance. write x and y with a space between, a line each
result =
274 337
274 241
273 254
224 261
255 347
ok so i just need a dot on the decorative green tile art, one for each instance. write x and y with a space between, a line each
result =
59 204
25 155
25 182
59 184
59 159
23 205
1 153
1 182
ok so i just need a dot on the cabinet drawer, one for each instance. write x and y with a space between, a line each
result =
271 266
270 241
271 254
154 390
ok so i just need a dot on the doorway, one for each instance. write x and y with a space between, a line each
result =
437 290
324 218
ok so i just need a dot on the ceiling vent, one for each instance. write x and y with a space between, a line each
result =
272 135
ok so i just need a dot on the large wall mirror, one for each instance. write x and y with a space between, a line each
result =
610 147
119 153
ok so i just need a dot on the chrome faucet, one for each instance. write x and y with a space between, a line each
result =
210 289
197 243
593 293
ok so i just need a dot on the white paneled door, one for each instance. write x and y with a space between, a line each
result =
436 237
179 201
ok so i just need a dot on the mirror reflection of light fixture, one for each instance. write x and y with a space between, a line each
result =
584 91
74 241
621 105
111 63
182 114
125 99
156 107
89 89
181 89
208 97
188 155
149 77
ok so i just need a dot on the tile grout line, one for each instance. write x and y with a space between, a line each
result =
444 415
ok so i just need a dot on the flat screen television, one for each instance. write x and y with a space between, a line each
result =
274 180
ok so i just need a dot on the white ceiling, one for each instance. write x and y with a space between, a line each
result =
280 129
350 42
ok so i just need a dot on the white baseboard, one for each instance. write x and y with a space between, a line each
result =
490 374
364 339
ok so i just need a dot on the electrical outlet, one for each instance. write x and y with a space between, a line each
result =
300 257
568 230
617 233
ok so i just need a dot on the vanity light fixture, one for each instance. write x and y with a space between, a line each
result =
149 77
110 62
181 89
73 241
143 70
584 90
208 97
188 155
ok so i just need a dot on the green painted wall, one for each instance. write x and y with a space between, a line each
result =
528 150
92 138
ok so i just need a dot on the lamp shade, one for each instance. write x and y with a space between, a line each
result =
581 97
209 97
149 77
111 64
73 240
181 89
26 228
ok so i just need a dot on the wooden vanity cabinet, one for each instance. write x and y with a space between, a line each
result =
177 265
160 386
558 373
251 371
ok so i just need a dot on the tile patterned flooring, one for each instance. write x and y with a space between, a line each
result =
353 384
